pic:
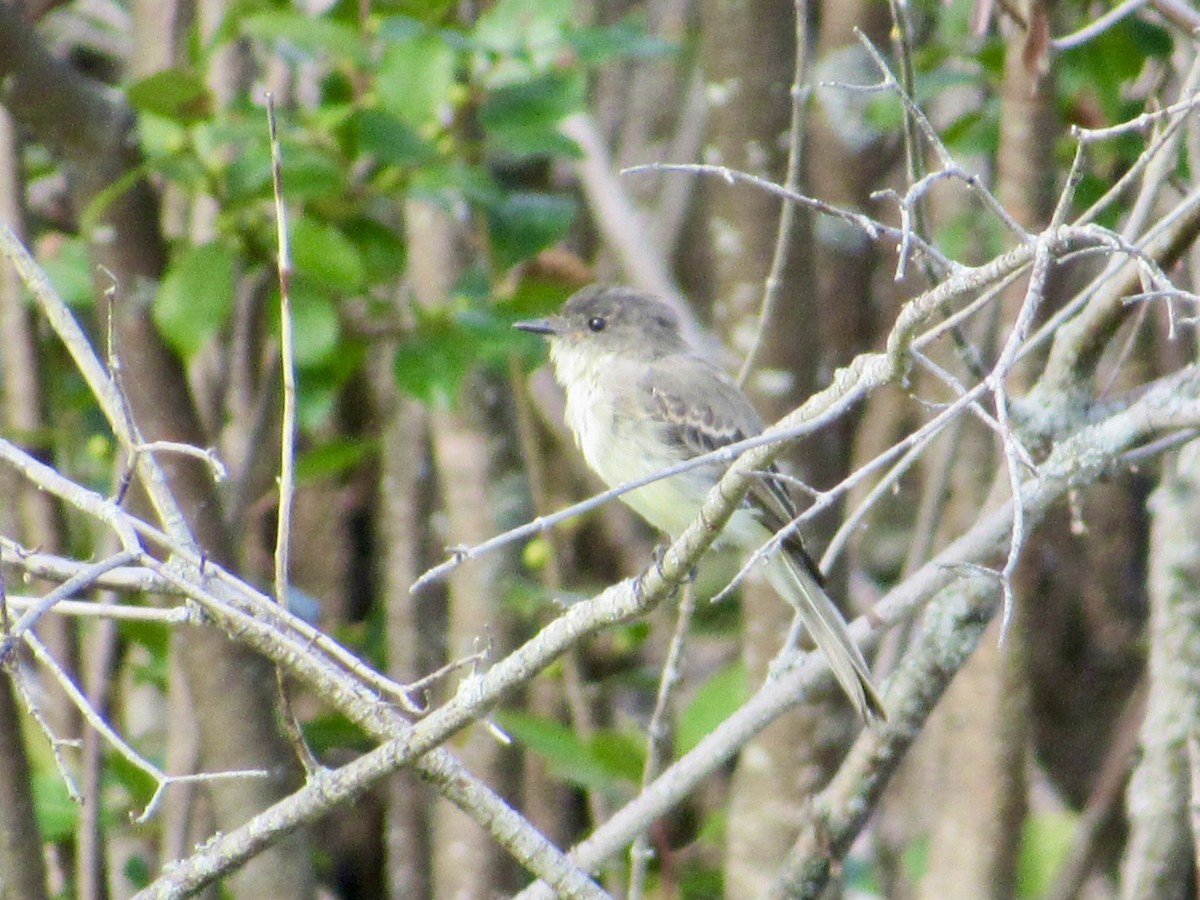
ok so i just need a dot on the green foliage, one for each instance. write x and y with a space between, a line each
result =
139 784
137 871
443 345
608 761
969 237
627 38
714 701
416 81
1103 67
330 731
56 812
297 35
69 267
155 638
195 298
522 223
390 139
915 859
315 326
1045 842
323 253
1099 83
173 94
521 117
700 882
333 458
412 106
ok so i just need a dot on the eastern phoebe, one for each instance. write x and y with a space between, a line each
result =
639 400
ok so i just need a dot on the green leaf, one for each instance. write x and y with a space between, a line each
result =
152 667
321 252
390 139
172 94
137 871
1045 840
68 265
698 878
714 701
525 223
382 251
333 731
315 407
540 101
606 762
626 38
535 296
522 118
970 238
139 783
195 298
1105 64
416 79
565 754
975 131
153 637
56 813
432 360
248 176
619 752
533 29
427 12
315 326
453 181
309 34
333 458
308 172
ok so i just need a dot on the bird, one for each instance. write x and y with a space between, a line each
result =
641 398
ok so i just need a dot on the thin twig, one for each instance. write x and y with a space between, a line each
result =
287 456
207 455
873 228
79 582
51 567
287 439
99 382
914 161
1099 26
86 609
946 160
1015 454
57 744
658 732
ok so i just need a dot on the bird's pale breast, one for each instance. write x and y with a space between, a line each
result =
627 444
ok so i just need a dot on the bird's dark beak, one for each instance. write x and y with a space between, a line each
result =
538 326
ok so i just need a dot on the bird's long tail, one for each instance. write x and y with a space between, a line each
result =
791 578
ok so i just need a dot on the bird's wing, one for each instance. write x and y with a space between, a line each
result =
715 414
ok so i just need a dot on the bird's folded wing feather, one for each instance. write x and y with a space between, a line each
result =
701 410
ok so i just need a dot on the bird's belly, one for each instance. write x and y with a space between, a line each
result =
626 450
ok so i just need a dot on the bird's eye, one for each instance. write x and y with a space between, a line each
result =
596 323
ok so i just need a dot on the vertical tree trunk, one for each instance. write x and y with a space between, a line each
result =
981 729
749 130
36 517
401 518
467 862
1160 856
